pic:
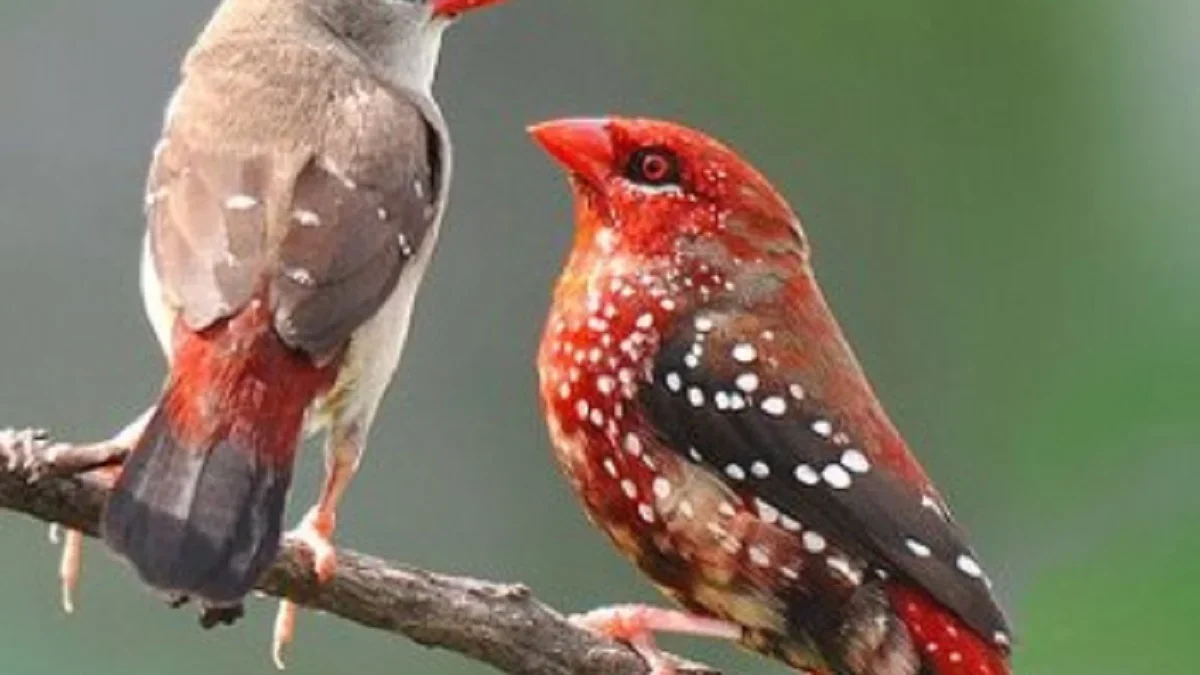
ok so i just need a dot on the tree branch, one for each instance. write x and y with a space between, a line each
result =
502 625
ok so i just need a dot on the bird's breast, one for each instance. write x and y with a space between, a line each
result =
681 524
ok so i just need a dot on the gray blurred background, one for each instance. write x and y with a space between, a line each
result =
1003 201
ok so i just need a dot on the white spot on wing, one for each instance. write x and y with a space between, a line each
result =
307 218
300 276
807 475
760 469
918 549
822 428
813 542
968 566
774 406
843 567
673 382
769 514
855 461
836 477
240 203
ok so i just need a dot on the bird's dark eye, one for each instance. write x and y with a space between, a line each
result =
653 166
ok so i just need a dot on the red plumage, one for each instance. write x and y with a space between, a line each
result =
949 644
237 381
198 507
707 408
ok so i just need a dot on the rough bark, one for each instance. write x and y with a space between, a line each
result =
499 624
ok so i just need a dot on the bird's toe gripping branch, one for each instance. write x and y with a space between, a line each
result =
315 532
70 563
637 624
33 453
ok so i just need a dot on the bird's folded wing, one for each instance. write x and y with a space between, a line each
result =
730 406
322 232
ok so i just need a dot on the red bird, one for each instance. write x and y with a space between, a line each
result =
706 407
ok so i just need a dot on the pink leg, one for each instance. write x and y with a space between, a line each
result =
32 452
316 530
637 624
69 566
71 562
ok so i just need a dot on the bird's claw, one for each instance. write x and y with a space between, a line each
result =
637 624
211 616
69 566
628 624
29 452
176 600
315 533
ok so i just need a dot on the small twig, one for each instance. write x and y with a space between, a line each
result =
498 624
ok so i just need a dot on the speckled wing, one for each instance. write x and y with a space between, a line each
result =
323 233
349 237
731 406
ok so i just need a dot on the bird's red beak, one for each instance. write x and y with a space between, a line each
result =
582 146
451 8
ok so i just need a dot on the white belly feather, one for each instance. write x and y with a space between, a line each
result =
374 351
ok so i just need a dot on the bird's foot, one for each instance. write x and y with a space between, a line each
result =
70 563
637 624
315 533
214 615
27 451
33 454
176 600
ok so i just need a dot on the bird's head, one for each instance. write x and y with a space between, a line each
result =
403 38
657 188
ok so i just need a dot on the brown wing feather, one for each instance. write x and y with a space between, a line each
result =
207 237
323 229
350 236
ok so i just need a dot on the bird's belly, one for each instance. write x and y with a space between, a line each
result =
674 521
374 353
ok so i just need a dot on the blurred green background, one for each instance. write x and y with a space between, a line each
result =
1003 201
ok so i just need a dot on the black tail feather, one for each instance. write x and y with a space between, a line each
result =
204 522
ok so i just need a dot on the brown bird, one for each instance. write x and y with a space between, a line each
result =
293 205
706 407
